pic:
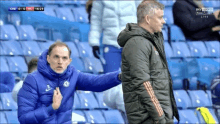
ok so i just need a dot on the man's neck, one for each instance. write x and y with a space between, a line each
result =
146 28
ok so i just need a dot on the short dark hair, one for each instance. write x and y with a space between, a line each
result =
58 43
145 7
32 65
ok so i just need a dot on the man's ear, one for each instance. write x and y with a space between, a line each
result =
48 59
147 19
70 60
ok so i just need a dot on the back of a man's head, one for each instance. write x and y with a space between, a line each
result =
147 7
32 65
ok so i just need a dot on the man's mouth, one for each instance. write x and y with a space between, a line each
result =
59 67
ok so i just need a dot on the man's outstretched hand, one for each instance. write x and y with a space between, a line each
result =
57 98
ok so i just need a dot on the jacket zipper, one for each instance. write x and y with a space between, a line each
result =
162 54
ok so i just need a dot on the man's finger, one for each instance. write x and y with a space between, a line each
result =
58 90
54 92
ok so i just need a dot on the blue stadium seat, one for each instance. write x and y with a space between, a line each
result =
84 31
3 119
208 70
177 83
92 64
87 100
177 68
26 32
167 3
199 98
45 45
74 50
57 36
3 64
168 50
207 3
15 19
65 14
215 4
37 3
188 116
193 83
113 116
43 34
85 50
78 64
76 104
68 3
31 48
17 64
2 21
99 98
82 3
8 102
95 116
168 15
209 95
49 11
1 108
176 33
217 60
12 117
12 47
165 35
182 99
213 48
78 117
197 49
80 14
74 36
8 32
180 49
2 51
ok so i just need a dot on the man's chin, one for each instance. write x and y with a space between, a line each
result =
59 71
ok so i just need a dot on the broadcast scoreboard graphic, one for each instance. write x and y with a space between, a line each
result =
204 12
25 8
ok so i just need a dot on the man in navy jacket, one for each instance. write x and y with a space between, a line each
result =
47 94
196 27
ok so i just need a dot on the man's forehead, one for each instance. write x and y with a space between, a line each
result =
60 55
60 50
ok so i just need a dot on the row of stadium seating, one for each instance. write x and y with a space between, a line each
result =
181 56
91 103
27 32
197 49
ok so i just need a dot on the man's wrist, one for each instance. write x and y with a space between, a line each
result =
53 106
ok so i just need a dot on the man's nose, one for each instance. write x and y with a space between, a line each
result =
163 21
60 61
